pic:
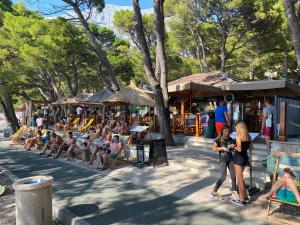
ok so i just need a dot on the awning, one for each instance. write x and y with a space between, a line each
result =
279 87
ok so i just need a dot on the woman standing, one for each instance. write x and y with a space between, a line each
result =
241 160
224 145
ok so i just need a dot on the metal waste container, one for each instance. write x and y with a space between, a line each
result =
34 200
208 124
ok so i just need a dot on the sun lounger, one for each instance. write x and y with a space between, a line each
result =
21 129
124 154
293 160
73 124
86 126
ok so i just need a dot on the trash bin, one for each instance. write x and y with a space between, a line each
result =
34 200
208 124
7 133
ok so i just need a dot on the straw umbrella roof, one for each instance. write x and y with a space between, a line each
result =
131 95
99 97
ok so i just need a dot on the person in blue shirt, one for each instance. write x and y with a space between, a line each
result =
221 117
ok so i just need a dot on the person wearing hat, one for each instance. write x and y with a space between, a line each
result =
285 188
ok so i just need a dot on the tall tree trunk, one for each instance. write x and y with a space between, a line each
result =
294 26
45 96
205 67
162 115
160 49
157 68
75 78
98 50
53 86
9 112
222 52
199 58
200 45
69 84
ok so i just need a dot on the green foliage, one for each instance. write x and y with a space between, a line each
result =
254 33
54 56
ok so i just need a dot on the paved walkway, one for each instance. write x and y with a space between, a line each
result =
111 199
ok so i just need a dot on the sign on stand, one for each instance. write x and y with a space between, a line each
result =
158 152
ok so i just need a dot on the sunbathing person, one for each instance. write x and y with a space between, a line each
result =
53 144
59 125
285 188
68 143
117 129
109 153
32 141
46 137
82 148
106 142
97 134
125 129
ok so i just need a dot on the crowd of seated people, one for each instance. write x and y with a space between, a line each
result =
68 141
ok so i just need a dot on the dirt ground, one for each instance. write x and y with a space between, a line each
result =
280 213
7 202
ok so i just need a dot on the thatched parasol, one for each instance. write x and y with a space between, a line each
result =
99 97
131 95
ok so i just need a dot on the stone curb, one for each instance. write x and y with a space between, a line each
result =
60 213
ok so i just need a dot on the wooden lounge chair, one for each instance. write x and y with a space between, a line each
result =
21 129
275 173
86 126
124 154
73 124
22 133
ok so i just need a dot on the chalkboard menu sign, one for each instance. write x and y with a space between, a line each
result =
140 153
158 152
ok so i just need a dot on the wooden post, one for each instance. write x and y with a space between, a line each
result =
282 131
103 114
174 124
190 102
182 110
197 124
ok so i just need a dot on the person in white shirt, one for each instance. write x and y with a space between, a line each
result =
267 126
79 110
40 122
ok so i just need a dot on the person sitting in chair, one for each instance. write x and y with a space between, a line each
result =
81 148
109 153
59 125
32 141
106 142
69 143
285 188
53 144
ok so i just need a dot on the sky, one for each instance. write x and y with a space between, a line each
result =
46 5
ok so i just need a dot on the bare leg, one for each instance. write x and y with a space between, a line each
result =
240 179
267 139
31 143
100 160
94 155
46 147
278 184
70 151
292 187
53 149
60 150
